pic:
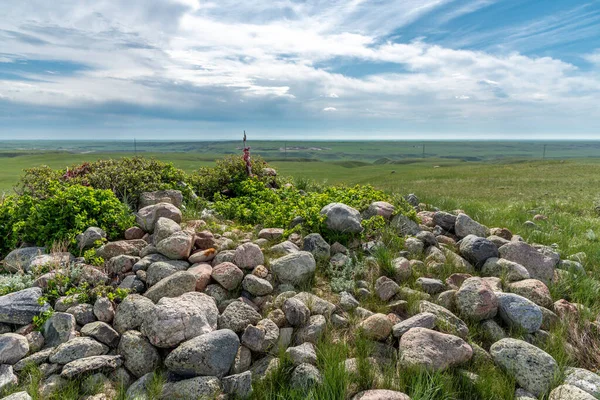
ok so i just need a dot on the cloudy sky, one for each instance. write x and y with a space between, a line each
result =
301 69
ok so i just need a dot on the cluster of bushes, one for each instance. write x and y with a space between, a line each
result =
59 216
256 203
55 205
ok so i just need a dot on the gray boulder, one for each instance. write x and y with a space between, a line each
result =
20 259
262 337
444 220
160 270
538 265
88 239
316 245
500 267
174 197
238 386
178 319
295 269
201 387
76 348
237 316
102 332
584 380
533 369
421 320
121 264
132 312
121 247
477 250
436 351
286 247
404 225
227 275
20 307
18 396
519 312
304 353
342 218
146 217
13 347
178 246
570 392
256 286
140 356
59 328
379 208
90 364
172 286
296 312
7 377
476 300
248 256
466 226
210 354
305 376
445 319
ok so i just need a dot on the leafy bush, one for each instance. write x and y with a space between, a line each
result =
60 216
228 173
257 204
127 178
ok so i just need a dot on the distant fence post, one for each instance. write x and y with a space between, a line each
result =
247 157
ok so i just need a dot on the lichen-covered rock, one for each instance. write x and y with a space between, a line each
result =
13 347
404 225
519 312
76 348
104 309
533 369
421 320
201 387
262 337
164 228
178 246
59 328
500 267
178 319
296 312
172 286
147 216
380 394
7 377
533 290
132 312
537 264
174 197
102 332
121 247
584 380
342 218
433 350
316 245
386 288
228 275
295 269
18 396
209 354
465 226
570 392
239 386
237 316
20 259
256 286
446 321
139 355
20 307
305 376
476 300
377 327
89 364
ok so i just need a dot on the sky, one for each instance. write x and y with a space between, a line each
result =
300 69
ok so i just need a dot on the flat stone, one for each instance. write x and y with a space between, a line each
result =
537 264
89 364
20 307
422 320
433 350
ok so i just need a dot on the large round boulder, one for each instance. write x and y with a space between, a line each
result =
477 250
296 268
211 354
436 351
476 300
533 369
519 312
342 218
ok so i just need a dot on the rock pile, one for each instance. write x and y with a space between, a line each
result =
215 311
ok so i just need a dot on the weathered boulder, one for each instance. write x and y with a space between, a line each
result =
59 328
444 220
13 347
178 246
404 225
316 245
584 380
445 319
376 327
381 208
312 331
172 286
271 233
89 364
89 237
296 312
421 320
248 255
121 247
102 332
76 348
203 273
121 264
500 267
238 386
304 353
519 312
257 286
537 264
466 226
139 355
477 250
570 392
201 387
386 288
342 218
83 313
146 217
132 311
209 354
227 275
295 269
315 304
159 270
533 369
20 259
286 247
433 350
178 319
533 290
237 316
18 396
262 337
20 307
7 377
174 197
164 228
305 376
476 300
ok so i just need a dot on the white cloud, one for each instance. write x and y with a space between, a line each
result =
256 57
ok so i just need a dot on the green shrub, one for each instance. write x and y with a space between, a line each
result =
14 283
228 173
127 178
60 216
257 204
